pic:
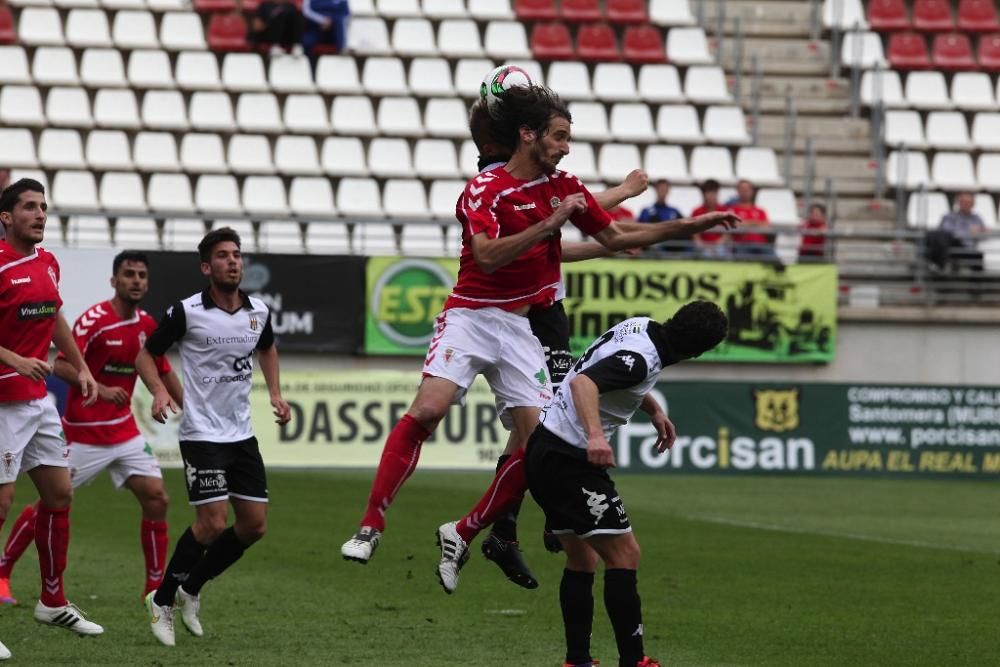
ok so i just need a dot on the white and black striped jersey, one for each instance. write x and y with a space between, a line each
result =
216 349
625 364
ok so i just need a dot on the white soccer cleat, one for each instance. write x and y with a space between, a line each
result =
68 617
161 621
4 652
189 606
454 555
362 546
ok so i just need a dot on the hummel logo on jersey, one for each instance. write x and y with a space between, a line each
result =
628 360
20 281
474 204
115 343
524 207
596 504
476 191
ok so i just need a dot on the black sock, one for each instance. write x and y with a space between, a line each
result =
224 551
621 599
506 526
576 598
187 552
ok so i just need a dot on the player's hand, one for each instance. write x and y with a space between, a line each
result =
635 183
88 387
161 403
665 430
724 219
599 452
573 204
115 395
281 410
31 368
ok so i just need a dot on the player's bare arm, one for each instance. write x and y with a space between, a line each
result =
665 429
145 365
587 398
634 185
29 367
65 343
624 235
268 360
174 387
65 372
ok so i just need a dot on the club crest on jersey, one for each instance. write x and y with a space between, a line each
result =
253 323
142 339
554 202
52 275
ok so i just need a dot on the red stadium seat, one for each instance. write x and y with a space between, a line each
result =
596 43
227 32
908 50
952 52
627 11
7 33
551 41
643 44
209 6
933 16
536 10
887 15
581 10
989 52
977 16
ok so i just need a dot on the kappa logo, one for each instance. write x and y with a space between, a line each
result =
596 503
524 207
638 631
627 359
190 474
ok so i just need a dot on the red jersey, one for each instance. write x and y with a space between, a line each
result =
709 236
29 305
750 213
813 245
110 346
499 205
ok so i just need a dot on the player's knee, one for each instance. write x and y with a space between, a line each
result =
57 498
427 413
582 561
625 554
208 529
154 504
251 531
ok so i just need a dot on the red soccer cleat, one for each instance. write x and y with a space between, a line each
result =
6 597
648 662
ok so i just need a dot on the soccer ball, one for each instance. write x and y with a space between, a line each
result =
501 79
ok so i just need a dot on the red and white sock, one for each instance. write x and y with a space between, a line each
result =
399 460
507 489
52 542
22 533
153 535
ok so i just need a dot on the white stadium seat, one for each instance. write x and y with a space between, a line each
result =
910 173
399 116
490 9
389 158
384 76
290 75
203 153
218 195
671 12
903 128
264 195
844 14
468 158
435 158
862 49
53 66
21 105
413 37
405 199
353 114
327 238
359 197
506 39
306 114
136 233
211 111
197 70
116 108
617 160
429 77
706 84
779 204
986 209
590 121
986 131
375 238
363 8
615 82
344 156
150 69
17 148
660 83
418 240
573 78
122 192
88 27
446 117
532 67
109 150
183 233
259 112
295 155
40 26
74 190
338 75
581 161
242 227
469 73
953 171
726 125
61 149
453 239
311 195
15 65
88 232
678 124
444 9
368 36
243 72
103 68
972 91
155 152
249 154
395 9
181 31
882 87
924 210
712 162
459 38
667 162
66 107
134 30
927 90
444 196
948 130
632 122
170 192
280 237
759 165
164 110
688 46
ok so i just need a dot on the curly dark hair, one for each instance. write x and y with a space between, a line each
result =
696 328
215 237
526 106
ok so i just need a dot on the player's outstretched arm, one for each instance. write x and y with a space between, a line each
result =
664 427
65 343
622 236
586 398
634 185
268 359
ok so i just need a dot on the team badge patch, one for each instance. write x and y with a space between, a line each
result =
554 202
8 463
253 323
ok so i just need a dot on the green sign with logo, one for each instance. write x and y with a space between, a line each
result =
404 296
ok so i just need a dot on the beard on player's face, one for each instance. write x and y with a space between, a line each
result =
226 276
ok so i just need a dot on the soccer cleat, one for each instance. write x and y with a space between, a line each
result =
161 621
67 616
4 652
362 546
6 597
189 606
507 555
648 662
551 542
454 555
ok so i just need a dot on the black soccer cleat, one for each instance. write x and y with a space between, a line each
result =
507 555
551 542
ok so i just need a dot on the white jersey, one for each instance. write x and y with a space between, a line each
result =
625 364
216 349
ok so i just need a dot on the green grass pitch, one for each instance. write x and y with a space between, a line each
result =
735 571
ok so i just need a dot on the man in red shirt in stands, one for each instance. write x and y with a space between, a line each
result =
751 244
813 228
711 244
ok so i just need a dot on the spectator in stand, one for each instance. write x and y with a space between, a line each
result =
278 23
711 244
748 243
326 23
661 211
814 228
955 238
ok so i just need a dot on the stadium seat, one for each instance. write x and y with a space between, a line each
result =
953 171
908 50
311 196
217 194
933 16
888 15
948 130
280 237
643 44
844 14
297 156
388 158
197 70
164 110
453 238
927 90
924 210
375 238
244 228
671 13
368 36
904 128
327 238
706 85
615 82
359 197
384 76
882 87
573 78
580 11
597 43
137 233
306 114
243 72
363 8
15 65
122 192
249 154
213 6
180 31
74 190
338 75
17 148
532 67
343 156
443 197
660 83
688 46
986 131
211 111
862 49
779 203
418 240
632 122
989 53
227 32
446 117
615 161
290 75
405 199
459 38
628 11
552 41
679 124
667 162
988 171
469 72
60 149
972 91
429 77
952 52
155 151
88 231
444 9
64 107
116 108
40 26
759 165
987 210
399 116
396 9
351 114
264 195
581 161
149 69
536 10
413 37
134 30
468 158
170 192
977 16
8 35
259 112
505 40
712 162
54 66
910 172
590 121
183 234
484 10
203 153
102 68
87 28
436 158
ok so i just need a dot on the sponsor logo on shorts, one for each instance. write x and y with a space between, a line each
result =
448 354
596 503
8 463
39 310
542 377
190 474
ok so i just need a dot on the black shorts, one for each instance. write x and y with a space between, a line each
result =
551 327
577 498
218 471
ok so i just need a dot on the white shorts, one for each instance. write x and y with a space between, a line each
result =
499 345
31 435
132 457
